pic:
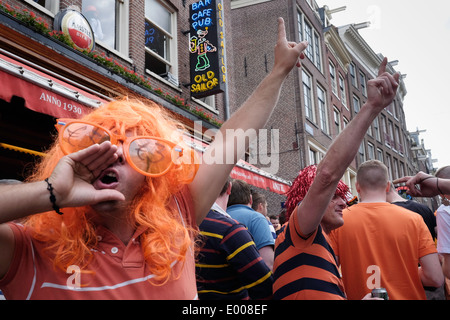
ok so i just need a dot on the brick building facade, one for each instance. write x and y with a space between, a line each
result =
123 63
143 50
322 97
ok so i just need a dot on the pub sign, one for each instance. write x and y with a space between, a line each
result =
207 48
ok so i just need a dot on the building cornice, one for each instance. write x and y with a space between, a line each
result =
364 54
337 46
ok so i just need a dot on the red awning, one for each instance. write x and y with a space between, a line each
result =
259 178
42 92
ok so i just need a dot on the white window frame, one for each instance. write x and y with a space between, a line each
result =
51 7
362 80
315 150
122 31
308 32
337 119
376 125
333 78
356 104
172 55
362 152
343 91
236 4
323 110
380 156
370 151
352 71
308 96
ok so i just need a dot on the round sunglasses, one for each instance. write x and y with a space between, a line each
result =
151 156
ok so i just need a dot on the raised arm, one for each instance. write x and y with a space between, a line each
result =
381 92
253 114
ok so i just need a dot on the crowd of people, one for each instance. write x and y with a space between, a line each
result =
121 209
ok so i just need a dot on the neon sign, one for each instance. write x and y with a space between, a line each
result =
207 48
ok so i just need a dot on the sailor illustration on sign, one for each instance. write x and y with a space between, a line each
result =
202 46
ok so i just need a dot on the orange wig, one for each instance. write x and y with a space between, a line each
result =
301 185
71 236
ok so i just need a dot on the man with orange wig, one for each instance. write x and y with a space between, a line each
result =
128 196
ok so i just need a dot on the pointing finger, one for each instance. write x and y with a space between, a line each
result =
383 66
281 30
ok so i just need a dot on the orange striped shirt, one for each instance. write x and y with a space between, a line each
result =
305 267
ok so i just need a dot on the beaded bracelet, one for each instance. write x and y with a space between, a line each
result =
52 197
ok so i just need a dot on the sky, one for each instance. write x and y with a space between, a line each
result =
418 35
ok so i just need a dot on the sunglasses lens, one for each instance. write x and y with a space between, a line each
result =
151 156
78 136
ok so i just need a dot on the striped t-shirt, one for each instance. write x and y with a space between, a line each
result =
229 265
305 267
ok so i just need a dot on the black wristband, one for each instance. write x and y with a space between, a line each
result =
52 197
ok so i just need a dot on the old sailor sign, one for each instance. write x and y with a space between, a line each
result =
207 48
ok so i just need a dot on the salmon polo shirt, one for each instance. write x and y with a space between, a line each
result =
118 271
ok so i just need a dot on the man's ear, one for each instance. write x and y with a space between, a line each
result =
358 189
229 188
260 207
388 187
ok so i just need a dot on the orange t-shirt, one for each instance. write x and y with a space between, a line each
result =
118 271
380 245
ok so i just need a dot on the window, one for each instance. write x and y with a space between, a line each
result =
362 80
352 70
396 169
321 102
109 21
398 143
51 5
307 32
356 104
376 126
333 79
308 37
380 155
312 156
370 151
300 25
394 107
370 131
389 165
317 60
362 153
345 121
342 90
402 170
307 95
316 153
160 40
208 102
337 120
387 138
391 133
